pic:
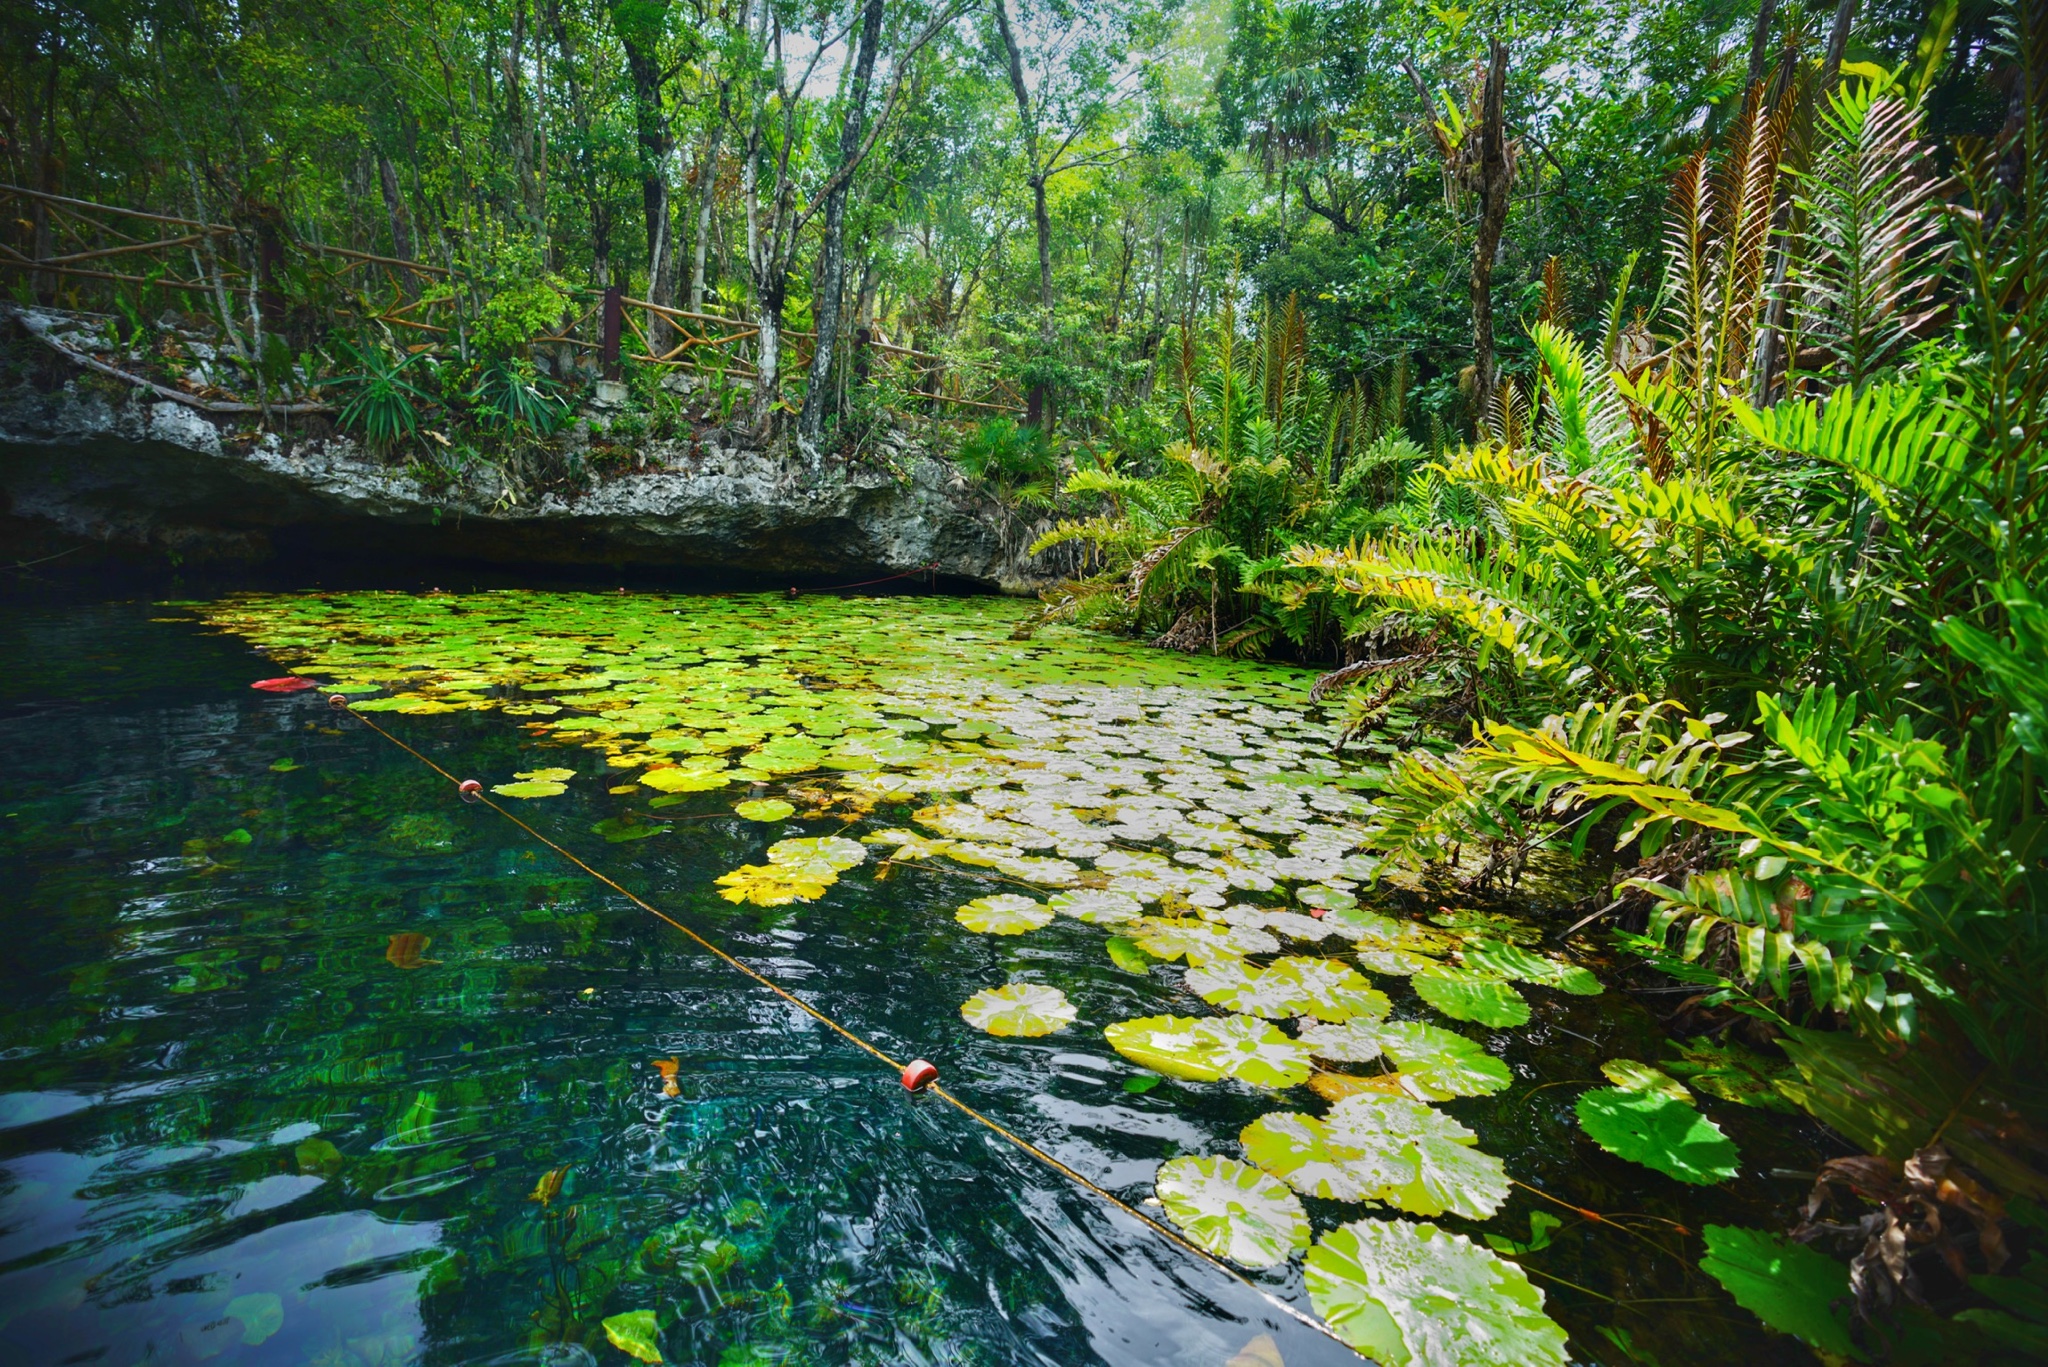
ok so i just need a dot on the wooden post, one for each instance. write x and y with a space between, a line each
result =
608 343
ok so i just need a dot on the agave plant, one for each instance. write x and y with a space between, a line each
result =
509 394
381 400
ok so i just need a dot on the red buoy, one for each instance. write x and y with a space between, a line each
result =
469 788
290 683
918 1074
338 701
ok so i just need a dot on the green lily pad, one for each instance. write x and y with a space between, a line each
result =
1006 913
1381 1148
1408 1294
1232 1210
1669 1136
547 775
1019 1009
1468 996
1293 986
1125 954
635 1333
683 780
1512 961
261 1314
824 854
1165 937
1631 1076
764 809
1791 1287
1210 1048
530 788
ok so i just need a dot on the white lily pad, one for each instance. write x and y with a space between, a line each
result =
1166 937
1293 986
818 854
1028 1010
1409 1294
1233 1210
1436 1064
1006 913
1098 906
1381 1148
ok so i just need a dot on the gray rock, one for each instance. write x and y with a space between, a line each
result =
135 473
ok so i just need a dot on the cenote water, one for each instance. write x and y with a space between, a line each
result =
306 1061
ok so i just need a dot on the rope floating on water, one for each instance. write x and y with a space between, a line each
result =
917 1075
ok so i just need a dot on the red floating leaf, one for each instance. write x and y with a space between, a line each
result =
290 683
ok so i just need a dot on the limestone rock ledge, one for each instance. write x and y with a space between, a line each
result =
132 473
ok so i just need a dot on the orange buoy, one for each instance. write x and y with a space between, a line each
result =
469 788
918 1074
338 702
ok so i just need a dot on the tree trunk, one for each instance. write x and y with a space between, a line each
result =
1760 40
829 282
639 28
707 194
1038 402
1495 180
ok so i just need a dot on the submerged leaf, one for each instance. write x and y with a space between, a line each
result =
1413 1295
1125 954
405 949
1381 1148
1630 1076
1669 1136
1232 1210
1019 1009
1006 913
1791 1287
1731 1073
635 1333
1211 1048
260 1314
1467 996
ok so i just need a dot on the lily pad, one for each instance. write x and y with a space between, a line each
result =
817 854
546 775
1198 941
1409 1294
1208 1049
1395 963
683 780
764 809
1467 996
1006 913
1436 1064
530 787
1631 1076
635 1333
1791 1287
1019 1009
1381 1148
768 885
1233 1210
1293 986
1658 1132
618 829
1098 906
1512 961
1125 954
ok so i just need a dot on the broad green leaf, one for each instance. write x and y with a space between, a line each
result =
1791 1287
1436 1064
636 1334
1210 1048
1409 1294
1631 1076
1512 961
1467 996
683 781
819 854
763 809
1381 1148
1670 1136
618 829
1025 1009
1006 913
1732 1073
1233 1210
546 775
1293 986
769 885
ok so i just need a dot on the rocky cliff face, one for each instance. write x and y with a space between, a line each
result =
90 460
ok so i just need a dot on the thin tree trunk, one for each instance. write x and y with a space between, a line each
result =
1495 181
1037 404
707 194
1760 40
638 26
829 281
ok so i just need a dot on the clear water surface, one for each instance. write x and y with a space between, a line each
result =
291 1041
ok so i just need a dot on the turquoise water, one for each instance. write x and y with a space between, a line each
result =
247 1117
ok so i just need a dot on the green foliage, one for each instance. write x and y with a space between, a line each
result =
382 404
1658 1131
1788 1286
508 394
